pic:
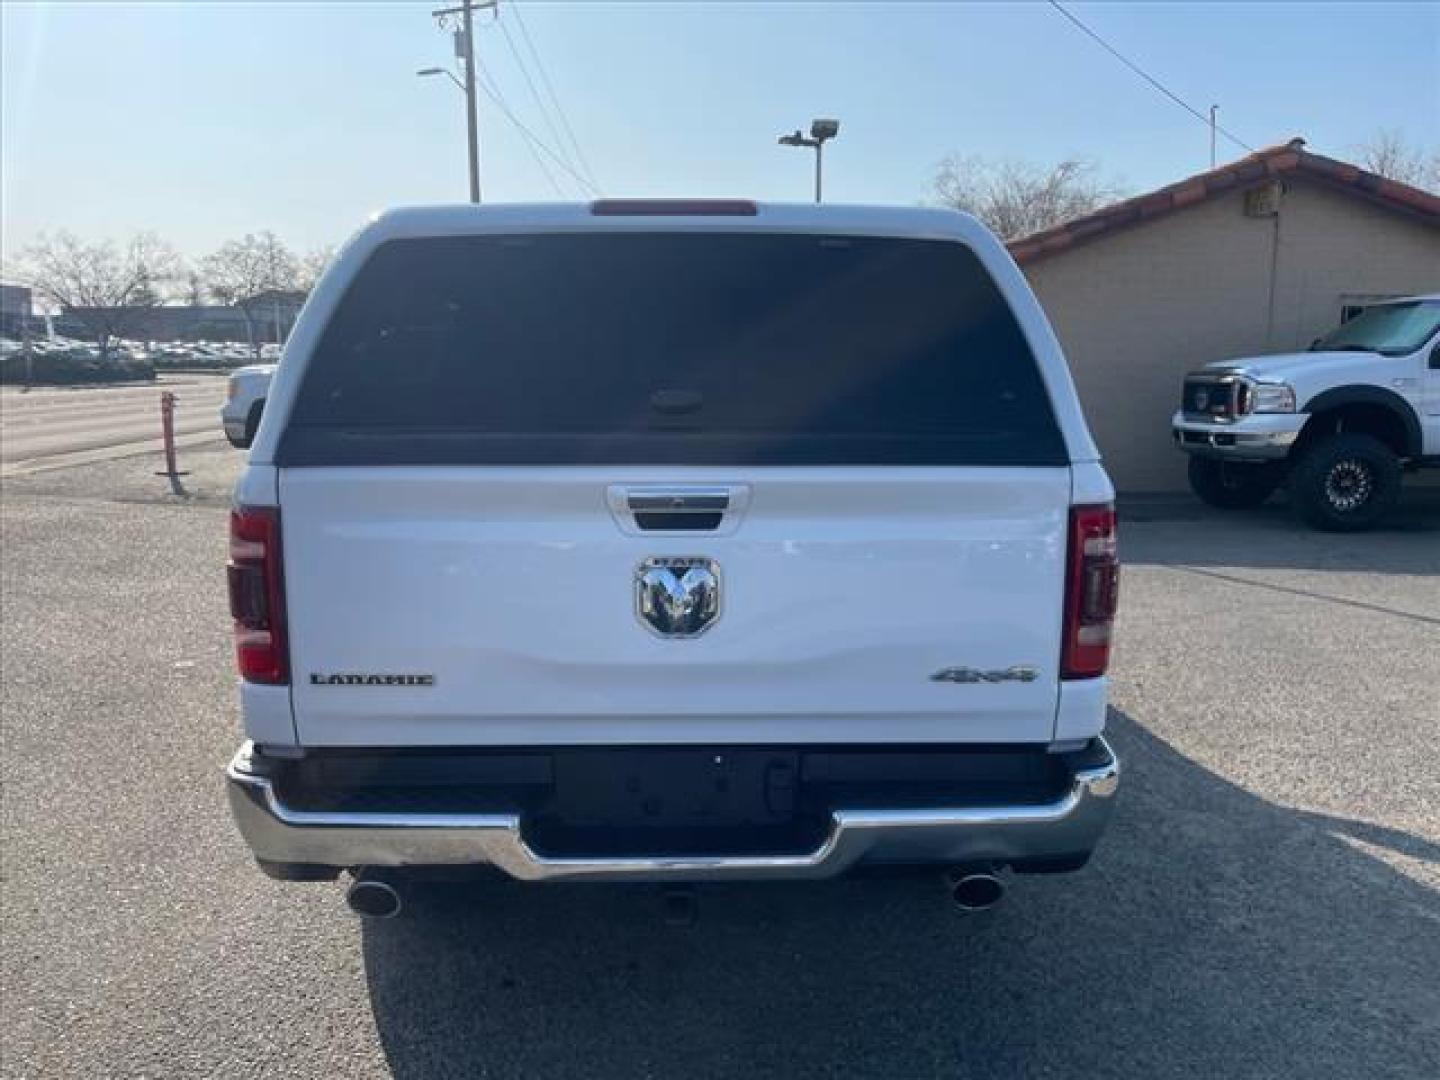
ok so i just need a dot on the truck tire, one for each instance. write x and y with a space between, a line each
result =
1230 485
1345 483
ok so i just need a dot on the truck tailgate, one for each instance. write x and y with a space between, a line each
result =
497 605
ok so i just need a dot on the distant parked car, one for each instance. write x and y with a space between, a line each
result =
244 401
1338 423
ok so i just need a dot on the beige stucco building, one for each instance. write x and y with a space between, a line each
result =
1259 256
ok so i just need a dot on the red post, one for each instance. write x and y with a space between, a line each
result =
167 433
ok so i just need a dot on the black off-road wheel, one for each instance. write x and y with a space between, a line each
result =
1231 485
1345 483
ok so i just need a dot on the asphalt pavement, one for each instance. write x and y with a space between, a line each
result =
44 427
1266 904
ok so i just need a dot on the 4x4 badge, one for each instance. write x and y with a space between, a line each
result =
677 596
1019 673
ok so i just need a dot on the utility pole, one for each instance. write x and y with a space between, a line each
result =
1213 110
465 50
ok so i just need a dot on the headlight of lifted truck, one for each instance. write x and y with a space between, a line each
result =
1262 397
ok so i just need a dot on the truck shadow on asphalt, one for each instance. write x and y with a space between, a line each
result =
1214 933
1418 510
1175 533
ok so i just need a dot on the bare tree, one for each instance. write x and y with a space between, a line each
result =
1390 155
145 294
312 265
243 272
106 288
194 291
1015 198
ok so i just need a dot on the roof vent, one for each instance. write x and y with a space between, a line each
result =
1264 201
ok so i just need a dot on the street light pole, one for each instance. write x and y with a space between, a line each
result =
465 50
820 132
472 121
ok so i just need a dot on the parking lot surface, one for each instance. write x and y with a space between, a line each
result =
46 426
1267 903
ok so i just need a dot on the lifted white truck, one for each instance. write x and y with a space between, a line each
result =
672 541
1338 424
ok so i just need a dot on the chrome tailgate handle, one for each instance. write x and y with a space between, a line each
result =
679 500
677 508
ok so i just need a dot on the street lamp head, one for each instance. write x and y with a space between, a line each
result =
431 71
820 130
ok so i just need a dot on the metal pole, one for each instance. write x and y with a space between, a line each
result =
167 429
472 130
1213 110
28 350
819 146
167 436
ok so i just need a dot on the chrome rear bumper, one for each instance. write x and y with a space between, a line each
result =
1063 829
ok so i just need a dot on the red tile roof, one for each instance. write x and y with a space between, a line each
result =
1288 158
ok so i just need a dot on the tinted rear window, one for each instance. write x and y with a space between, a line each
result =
672 348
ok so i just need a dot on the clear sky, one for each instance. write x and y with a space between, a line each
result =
206 120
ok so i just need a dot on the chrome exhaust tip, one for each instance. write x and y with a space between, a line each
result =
976 892
372 898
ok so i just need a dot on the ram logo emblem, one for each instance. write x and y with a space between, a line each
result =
677 596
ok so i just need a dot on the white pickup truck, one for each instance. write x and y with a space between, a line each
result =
672 541
245 393
1338 424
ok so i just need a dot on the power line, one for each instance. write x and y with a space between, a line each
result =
492 91
534 92
1156 83
550 88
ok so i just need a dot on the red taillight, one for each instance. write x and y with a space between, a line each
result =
257 595
1092 589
